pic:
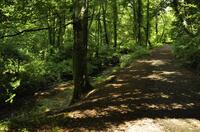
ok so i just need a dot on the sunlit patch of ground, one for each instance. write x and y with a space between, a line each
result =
159 125
153 62
58 97
180 125
162 75
144 125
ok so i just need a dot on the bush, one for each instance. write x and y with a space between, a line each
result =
139 52
9 81
107 56
187 49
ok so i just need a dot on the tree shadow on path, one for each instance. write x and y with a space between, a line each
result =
154 87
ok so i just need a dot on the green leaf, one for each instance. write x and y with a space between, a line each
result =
10 100
15 84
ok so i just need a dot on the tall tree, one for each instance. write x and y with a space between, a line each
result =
104 8
134 13
115 17
139 21
80 27
156 22
148 23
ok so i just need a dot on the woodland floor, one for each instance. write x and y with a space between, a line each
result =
153 94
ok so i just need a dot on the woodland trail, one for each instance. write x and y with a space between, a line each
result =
154 94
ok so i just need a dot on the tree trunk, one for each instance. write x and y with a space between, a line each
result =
104 7
148 25
115 17
61 31
80 27
98 34
157 27
133 4
139 22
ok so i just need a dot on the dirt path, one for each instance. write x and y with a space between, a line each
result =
154 94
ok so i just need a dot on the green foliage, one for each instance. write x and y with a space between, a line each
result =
9 81
105 56
3 126
57 71
37 42
128 59
187 49
186 33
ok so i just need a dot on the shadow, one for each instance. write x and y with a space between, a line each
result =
56 96
155 87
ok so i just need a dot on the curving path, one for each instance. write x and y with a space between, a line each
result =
154 94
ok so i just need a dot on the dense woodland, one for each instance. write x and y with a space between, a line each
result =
43 42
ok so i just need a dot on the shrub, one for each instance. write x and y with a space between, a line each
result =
187 49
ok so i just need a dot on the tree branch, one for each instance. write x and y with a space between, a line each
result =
30 30
23 31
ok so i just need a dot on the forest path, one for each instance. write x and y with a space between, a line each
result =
154 94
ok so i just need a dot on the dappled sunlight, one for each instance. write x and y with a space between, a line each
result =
153 106
164 96
58 96
180 125
98 112
96 100
144 125
76 114
150 95
91 92
153 62
153 77
162 125
178 106
82 114
170 73
119 80
172 106
137 95
116 95
163 75
42 93
47 110
110 78
62 87
156 77
121 109
117 85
